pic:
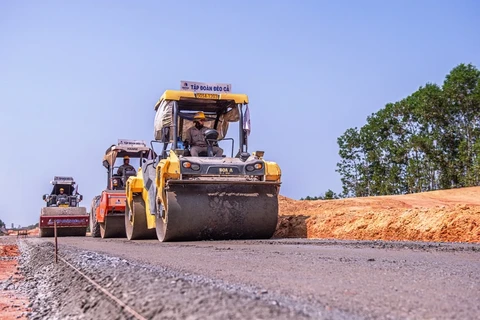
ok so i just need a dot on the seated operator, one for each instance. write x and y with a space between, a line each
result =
196 138
126 166
62 197
61 194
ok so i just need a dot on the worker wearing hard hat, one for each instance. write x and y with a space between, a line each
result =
196 139
126 166
62 197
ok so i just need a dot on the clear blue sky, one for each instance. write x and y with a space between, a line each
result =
77 75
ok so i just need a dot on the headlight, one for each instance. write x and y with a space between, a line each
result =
189 165
256 166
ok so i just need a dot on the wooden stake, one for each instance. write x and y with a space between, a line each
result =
56 244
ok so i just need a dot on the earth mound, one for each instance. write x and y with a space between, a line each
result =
441 216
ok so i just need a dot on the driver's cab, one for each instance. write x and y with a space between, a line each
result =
121 160
210 135
63 194
175 112
121 172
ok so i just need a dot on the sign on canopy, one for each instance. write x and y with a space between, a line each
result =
205 87
131 143
62 179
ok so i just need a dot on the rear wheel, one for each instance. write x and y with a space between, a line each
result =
72 232
46 232
94 226
113 227
136 221
160 222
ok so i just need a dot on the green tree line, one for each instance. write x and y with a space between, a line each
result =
328 195
428 141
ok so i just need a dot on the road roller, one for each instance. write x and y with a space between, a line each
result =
107 209
62 206
194 189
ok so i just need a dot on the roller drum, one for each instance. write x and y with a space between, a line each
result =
219 211
113 227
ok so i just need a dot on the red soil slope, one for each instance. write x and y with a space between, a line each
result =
444 216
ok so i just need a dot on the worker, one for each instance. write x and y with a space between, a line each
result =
62 197
126 166
196 139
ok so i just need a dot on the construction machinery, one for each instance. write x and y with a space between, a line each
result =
203 197
62 207
107 213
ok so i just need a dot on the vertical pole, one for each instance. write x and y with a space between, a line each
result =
174 125
56 244
241 133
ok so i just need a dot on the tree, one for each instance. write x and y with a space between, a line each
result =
430 140
328 195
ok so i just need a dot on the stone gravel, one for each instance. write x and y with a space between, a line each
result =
281 279
57 292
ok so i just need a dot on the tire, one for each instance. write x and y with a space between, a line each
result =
94 226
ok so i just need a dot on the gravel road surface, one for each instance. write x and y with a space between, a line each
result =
281 279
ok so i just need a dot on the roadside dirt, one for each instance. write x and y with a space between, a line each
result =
13 304
30 232
441 216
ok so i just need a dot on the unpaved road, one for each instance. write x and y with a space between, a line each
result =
283 279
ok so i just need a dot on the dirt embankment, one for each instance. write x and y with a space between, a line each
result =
13 304
444 216
30 232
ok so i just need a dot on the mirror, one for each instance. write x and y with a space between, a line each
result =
165 134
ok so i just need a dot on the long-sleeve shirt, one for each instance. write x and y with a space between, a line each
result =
125 167
196 137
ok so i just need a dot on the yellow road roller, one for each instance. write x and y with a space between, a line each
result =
194 190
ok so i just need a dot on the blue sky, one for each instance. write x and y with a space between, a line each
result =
75 76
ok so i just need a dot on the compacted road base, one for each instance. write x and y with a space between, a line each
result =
281 279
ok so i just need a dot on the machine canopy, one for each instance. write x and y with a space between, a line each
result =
221 112
130 148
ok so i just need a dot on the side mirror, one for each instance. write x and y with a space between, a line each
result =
80 198
44 197
165 134
105 164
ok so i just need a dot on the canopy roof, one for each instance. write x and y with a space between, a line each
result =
65 182
62 180
219 109
130 148
212 98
